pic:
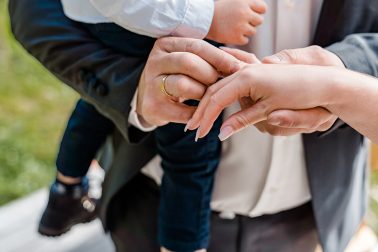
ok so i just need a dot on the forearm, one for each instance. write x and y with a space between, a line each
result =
354 100
187 18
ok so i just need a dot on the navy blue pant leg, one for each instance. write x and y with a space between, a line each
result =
86 132
186 188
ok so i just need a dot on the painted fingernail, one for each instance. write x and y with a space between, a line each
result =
225 133
197 134
188 125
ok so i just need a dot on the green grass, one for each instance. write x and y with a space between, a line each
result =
34 107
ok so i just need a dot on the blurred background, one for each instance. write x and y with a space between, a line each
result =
33 110
34 107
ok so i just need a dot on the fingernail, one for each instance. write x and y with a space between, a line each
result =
189 123
197 134
225 133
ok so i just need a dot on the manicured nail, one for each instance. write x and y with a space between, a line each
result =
225 133
186 127
197 134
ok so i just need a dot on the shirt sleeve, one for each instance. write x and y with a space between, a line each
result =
185 18
135 120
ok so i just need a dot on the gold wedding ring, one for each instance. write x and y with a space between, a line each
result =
162 87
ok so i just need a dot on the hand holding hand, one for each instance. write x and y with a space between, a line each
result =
290 122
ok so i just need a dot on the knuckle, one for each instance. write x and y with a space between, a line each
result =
290 55
211 90
316 49
187 62
242 121
246 74
214 101
162 42
194 46
213 77
319 54
181 85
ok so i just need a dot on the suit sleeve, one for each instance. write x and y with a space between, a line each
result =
359 52
103 77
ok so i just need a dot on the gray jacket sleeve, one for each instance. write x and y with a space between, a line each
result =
359 52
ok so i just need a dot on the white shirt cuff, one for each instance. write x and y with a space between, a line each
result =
136 120
197 20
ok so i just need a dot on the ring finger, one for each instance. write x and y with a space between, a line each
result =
184 87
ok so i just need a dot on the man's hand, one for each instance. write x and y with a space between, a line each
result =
189 66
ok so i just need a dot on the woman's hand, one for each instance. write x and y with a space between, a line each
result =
269 88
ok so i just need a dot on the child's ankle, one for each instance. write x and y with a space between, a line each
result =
68 180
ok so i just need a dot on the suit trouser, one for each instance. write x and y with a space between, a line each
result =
132 219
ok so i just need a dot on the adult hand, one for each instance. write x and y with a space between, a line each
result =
290 122
271 88
189 65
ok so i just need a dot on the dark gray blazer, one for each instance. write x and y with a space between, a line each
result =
336 161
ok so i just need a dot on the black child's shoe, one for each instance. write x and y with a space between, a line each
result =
67 206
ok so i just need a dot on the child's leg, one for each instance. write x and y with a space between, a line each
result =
69 203
189 169
86 132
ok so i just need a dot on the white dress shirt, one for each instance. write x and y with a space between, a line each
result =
258 174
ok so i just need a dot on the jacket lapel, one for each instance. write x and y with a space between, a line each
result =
330 13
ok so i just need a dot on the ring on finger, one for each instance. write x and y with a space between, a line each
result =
163 89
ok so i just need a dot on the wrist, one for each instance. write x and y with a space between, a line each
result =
337 90
212 31
211 35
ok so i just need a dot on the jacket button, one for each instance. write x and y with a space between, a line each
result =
102 89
